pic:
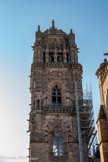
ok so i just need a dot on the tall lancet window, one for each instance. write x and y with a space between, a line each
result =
107 100
57 142
56 96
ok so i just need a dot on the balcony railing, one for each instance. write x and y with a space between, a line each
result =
61 109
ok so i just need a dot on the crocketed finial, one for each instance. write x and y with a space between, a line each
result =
53 24
38 28
70 31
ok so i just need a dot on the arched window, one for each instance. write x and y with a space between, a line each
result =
38 104
56 96
52 58
57 142
67 57
60 57
51 55
44 55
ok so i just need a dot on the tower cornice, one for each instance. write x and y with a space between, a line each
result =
56 65
102 71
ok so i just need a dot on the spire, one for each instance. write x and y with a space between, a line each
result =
53 24
38 28
70 31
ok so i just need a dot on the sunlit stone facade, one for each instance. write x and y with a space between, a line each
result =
53 124
102 120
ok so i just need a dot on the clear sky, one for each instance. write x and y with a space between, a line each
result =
18 22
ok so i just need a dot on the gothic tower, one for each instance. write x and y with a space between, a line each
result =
53 121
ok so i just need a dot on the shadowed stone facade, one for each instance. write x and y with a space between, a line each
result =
102 120
53 124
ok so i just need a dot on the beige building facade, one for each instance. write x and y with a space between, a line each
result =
102 120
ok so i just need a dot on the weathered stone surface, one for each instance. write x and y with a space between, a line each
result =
55 64
102 120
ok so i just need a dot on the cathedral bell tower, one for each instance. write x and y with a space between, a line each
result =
53 121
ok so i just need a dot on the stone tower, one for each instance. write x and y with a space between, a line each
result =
53 122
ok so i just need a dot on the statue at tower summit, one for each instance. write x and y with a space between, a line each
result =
59 122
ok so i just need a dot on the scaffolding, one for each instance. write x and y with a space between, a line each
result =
87 136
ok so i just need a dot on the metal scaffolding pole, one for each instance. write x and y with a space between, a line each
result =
78 123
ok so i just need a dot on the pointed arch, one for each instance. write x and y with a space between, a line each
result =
57 140
56 96
38 104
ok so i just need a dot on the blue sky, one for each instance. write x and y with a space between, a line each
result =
18 23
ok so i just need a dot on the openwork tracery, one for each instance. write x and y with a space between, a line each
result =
56 96
57 142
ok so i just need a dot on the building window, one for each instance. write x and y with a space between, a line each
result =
52 58
57 142
60 57
51 55
44 55
67 57
38 104
56 96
